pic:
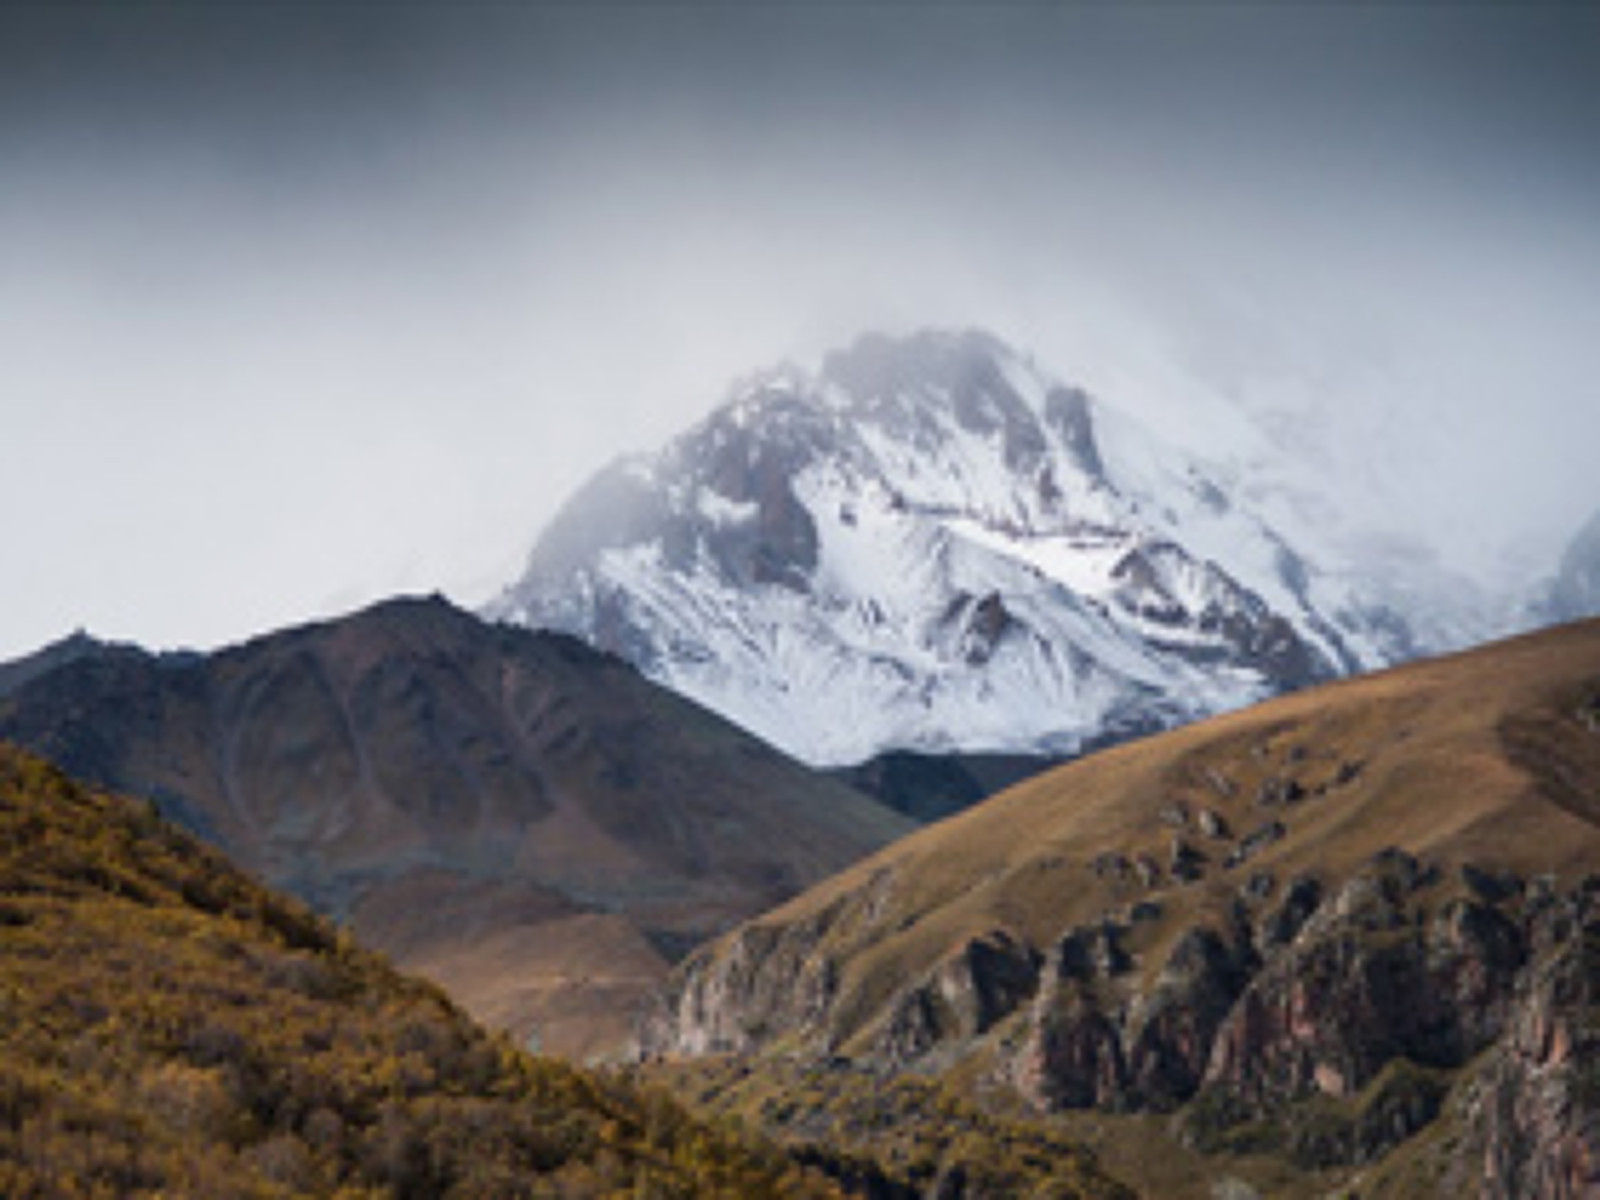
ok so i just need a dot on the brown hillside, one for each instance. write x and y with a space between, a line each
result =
172 1028
528 822
1267 907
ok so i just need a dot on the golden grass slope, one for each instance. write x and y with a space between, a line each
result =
169 1027
1490 757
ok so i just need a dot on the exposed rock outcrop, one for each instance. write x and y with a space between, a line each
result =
1372 976
1271 976
767 983
967 994
1533 1111
1328 1025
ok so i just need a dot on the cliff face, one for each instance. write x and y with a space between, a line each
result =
1318 930
1533 1109
1299 997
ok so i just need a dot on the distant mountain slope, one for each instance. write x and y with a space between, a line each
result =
173 1028
79 645
932 546
521 818
1357 925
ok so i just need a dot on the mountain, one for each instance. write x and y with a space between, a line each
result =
515 815
931 546
1350 932
172 1028
70 649
1575 592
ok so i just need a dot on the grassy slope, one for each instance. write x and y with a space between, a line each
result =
166 1025
1486 756
1490 757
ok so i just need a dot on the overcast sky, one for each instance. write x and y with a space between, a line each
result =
302 305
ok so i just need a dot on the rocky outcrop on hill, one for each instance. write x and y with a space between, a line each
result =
1532 1110
1328 1027
1312 931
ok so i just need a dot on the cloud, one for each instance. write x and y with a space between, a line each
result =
305 305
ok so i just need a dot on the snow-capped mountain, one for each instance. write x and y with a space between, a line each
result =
930 544
1575 591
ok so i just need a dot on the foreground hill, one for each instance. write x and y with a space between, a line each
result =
170 1027
526 821
1350 933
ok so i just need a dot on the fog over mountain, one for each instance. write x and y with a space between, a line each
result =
304 305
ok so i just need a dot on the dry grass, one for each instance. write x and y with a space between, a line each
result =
172 1028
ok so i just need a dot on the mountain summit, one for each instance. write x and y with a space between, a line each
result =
928 544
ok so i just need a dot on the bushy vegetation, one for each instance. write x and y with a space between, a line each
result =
1318 1131
905 1136
167 1026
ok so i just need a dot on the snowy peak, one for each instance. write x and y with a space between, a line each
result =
930 544
959 422
1575 592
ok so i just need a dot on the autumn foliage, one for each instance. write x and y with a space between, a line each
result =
167 1025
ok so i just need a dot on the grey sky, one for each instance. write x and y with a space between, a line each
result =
304 304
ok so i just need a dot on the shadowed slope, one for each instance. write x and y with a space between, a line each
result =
523 819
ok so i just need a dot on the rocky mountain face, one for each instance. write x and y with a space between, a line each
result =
516 815
931 546
1575 593
1354 931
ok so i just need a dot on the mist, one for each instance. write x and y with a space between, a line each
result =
302 306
